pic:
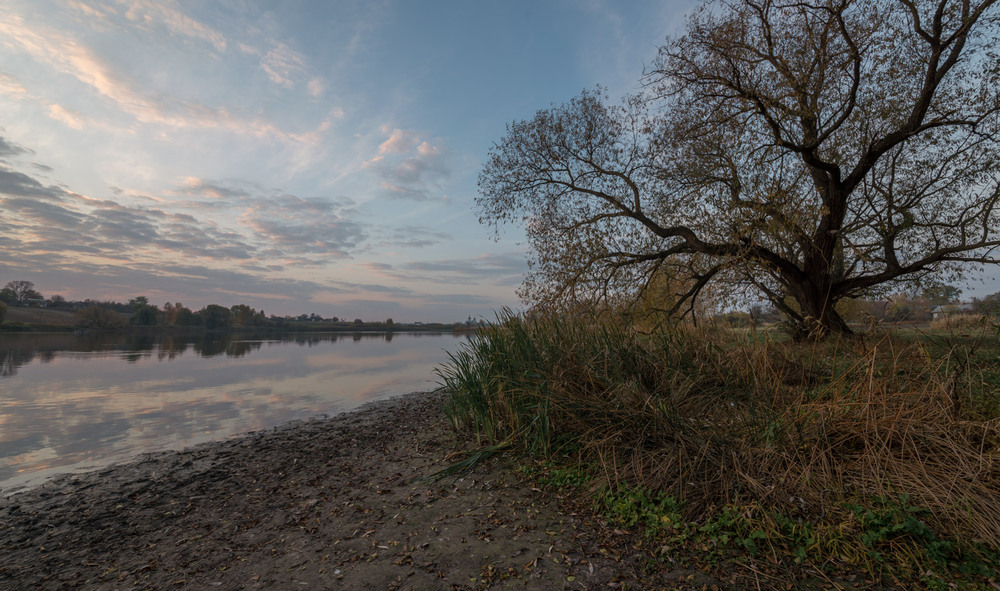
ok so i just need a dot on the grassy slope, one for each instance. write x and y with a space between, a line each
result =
877 454
41 316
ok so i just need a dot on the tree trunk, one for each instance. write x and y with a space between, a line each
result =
819 318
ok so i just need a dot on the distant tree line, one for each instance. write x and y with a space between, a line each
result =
139 311
898 307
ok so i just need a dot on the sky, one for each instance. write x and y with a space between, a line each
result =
295 156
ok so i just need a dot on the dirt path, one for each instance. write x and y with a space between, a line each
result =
330 504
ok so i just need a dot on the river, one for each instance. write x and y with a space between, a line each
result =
78 402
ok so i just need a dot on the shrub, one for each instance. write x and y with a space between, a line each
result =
98 316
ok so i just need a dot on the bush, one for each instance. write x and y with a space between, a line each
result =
98 316
3 311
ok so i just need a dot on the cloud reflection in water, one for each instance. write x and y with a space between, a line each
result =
69 402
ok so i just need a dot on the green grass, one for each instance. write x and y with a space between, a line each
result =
877 453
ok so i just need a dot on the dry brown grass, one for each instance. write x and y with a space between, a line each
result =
960 321
716 420
40 316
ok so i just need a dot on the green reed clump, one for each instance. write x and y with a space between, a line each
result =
716 418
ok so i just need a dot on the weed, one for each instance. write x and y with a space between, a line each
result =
549 473
655 512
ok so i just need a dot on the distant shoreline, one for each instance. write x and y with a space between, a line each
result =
296 327
67 319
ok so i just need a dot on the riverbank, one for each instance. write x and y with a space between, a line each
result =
339 502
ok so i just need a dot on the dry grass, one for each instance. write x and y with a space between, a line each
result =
40 316
718 420
960 321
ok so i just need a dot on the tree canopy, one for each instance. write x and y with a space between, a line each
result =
19 292
804 151
143 313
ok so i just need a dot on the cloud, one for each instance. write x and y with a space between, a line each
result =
494 269
375 288
410 167
8 148
282 63
233 223
66 55
10 86
70 57
407 193
124 226
149 14
315 87
103 14
46 214
306 230
460 299
71 118
416 237
312 228
399 142
424 162
500 269
194 285
23 185
202 187
75 224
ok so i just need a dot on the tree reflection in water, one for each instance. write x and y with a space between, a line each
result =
19 349
69 402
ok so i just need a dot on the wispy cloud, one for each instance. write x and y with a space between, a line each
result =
194 186
282 64
495 269
316 87
69 117
314 230
150 15
308 230
11 86
8 148
410 166
399 142
66 55
410 236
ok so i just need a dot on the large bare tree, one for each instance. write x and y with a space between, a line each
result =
19 292
809 150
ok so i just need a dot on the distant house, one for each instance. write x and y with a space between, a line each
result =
938 312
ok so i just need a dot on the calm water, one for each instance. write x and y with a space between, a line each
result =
71 402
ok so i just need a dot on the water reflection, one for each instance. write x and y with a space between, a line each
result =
21 349
78 401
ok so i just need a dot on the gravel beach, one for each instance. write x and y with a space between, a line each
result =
336 503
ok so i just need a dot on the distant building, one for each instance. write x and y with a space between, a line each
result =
938 312
35 302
